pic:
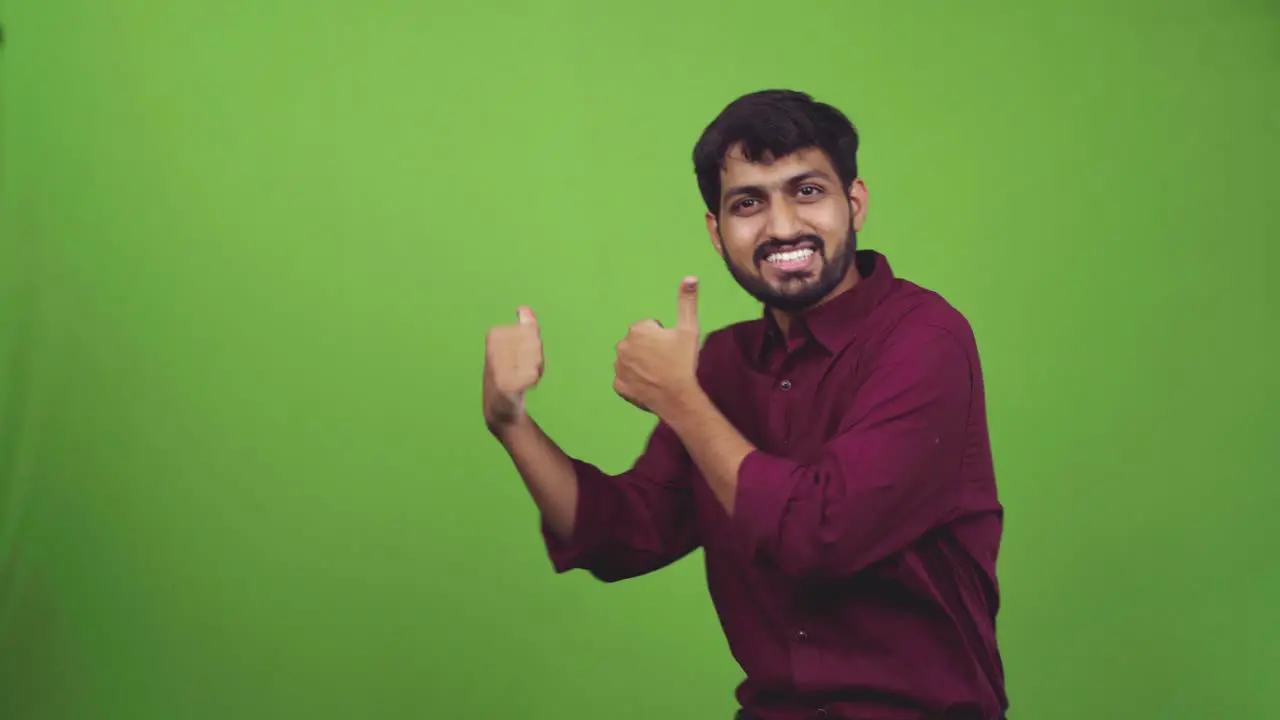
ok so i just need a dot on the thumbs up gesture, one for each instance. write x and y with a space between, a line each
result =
512 365
656 366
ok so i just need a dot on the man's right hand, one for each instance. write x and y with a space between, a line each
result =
512 365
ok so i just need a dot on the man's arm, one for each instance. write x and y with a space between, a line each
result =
614 526
547 472
875 488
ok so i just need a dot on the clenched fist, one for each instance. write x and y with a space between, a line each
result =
512 365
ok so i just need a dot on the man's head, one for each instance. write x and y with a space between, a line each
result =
778 172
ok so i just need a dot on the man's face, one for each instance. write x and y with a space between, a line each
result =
787 228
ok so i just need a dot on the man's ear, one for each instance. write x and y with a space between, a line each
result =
713 231
858 202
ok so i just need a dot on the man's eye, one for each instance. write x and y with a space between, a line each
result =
810 190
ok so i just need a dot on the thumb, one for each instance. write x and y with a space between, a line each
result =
526 316
688 304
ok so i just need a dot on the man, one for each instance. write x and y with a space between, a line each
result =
831 458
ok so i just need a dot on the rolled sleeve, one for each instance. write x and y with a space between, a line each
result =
765 485
632 523
589 526
889 477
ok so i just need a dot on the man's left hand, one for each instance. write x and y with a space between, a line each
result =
656 366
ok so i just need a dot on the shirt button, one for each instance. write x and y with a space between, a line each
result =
820 713
802 636
786 385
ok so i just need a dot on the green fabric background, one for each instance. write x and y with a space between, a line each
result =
249 252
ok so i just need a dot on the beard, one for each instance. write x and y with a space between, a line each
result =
804 291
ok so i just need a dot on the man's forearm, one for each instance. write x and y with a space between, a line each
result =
547 472
715 445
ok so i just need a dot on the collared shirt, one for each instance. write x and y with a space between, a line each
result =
856 576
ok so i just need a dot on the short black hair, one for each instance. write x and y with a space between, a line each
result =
774 123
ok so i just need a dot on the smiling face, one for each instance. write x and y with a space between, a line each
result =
787 228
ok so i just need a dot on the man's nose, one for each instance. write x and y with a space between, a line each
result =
784 222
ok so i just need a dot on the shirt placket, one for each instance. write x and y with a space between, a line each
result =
788 391
780 401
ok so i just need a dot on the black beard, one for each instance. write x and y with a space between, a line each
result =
834 270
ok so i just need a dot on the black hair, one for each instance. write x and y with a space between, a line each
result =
774 124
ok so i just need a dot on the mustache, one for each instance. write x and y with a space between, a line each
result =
776 245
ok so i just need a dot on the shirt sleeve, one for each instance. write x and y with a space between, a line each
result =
631 523
890 476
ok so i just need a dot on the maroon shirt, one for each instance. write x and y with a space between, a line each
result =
857 575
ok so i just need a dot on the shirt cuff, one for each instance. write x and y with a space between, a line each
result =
765 485
589 524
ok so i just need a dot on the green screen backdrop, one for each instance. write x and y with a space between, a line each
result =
251 249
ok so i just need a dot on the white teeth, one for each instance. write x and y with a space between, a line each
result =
790 256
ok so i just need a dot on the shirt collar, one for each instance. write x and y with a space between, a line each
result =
835 323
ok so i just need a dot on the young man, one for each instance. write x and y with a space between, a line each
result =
831 458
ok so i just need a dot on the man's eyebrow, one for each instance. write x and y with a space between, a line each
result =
794 179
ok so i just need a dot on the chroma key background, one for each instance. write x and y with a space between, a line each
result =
249 251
